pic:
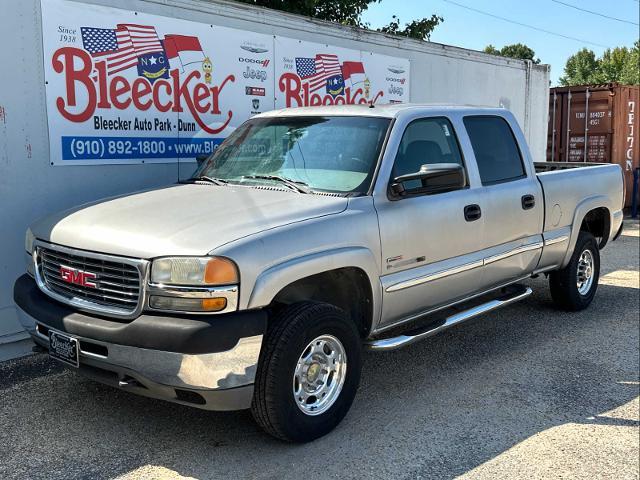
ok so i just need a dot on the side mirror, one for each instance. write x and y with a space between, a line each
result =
435 178
201 159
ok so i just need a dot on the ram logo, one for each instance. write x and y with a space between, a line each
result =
78 277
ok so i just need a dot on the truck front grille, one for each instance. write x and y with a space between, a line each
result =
91 281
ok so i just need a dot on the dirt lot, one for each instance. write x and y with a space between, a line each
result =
524 392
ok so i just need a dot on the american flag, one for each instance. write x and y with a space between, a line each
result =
318 70
120 47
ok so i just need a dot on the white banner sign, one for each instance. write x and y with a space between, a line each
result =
130 87
311 74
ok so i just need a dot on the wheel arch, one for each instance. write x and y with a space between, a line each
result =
592 215
347 276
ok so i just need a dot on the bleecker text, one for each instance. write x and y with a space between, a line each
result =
297 94
104 92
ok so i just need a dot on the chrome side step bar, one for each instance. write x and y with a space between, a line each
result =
393 343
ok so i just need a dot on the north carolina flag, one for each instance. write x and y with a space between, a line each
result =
184 49
353 72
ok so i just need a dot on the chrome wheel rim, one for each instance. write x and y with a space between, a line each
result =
319 375
585 272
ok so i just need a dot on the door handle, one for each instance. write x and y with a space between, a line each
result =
528 202
472 212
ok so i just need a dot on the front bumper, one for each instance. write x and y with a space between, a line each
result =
203 361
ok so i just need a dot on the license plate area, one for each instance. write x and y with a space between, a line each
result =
63 348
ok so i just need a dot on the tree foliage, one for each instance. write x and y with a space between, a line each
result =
345 12
517 50
581 68
621 64
420 29
349 12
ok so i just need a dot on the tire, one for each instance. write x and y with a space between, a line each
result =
564 284
275 407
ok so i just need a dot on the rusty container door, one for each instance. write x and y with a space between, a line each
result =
626 141
580 116
588 126
554 130
597 123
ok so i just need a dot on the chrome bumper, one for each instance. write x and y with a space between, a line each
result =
212 381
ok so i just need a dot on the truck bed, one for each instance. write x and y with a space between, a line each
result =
570 188
553 166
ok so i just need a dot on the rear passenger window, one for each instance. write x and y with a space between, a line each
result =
495 148
426 141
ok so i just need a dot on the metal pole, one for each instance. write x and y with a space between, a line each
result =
553 124
568 140
586 124
634 198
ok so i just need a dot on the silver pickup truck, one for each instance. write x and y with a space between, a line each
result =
310 235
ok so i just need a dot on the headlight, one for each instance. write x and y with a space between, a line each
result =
194 271
28 241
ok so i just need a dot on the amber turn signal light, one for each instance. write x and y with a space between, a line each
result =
220 271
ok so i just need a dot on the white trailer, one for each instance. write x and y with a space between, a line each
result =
57 149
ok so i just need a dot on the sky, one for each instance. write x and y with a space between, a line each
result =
473 30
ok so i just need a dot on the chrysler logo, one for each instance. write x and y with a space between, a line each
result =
78 277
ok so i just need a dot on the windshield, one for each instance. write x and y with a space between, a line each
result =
330 154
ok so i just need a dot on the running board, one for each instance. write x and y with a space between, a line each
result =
392 343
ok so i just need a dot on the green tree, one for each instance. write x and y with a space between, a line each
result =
345 12
516 50
630 74
613 62
491 50
582 68
621 64
349 12
420 29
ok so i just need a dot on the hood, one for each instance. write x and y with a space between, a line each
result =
190 219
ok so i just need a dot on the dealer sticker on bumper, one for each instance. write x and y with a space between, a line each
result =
63 348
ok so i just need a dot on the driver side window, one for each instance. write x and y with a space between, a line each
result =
426 141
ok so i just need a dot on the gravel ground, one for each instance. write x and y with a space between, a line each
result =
526 392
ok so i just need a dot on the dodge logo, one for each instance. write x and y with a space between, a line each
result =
77 277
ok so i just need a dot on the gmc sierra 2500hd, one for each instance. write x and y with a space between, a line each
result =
310 234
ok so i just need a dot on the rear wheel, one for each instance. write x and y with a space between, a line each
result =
308 373
574 287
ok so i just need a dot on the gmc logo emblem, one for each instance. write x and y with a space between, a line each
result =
77 277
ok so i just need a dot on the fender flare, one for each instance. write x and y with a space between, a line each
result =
272 280
584 207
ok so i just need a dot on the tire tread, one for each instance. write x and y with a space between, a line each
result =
281 331
564 291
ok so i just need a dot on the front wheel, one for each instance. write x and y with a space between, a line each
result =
308 373
574 287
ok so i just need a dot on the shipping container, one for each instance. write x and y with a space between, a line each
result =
595 123
47 164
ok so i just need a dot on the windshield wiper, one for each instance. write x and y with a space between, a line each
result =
204 178
296 185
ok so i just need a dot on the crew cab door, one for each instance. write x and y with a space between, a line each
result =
431 243
512 198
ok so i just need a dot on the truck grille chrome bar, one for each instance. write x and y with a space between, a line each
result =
94 282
